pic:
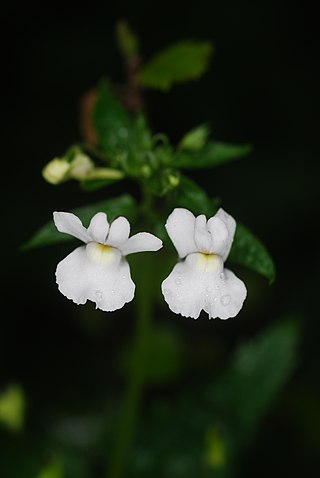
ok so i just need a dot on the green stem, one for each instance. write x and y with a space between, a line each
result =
134 393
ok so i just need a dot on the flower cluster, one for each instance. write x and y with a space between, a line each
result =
98 270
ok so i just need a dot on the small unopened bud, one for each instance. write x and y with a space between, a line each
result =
195 139
80 166
174 180
56 171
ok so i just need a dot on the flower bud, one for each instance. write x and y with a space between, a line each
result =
80 166
195 139
56 170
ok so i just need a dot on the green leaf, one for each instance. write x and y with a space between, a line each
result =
191 196
127 40
96 184
215 418
249 251
253 379
53 470
183 61
214 154
123 205
112 122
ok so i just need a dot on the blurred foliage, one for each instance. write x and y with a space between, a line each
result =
12 407
206 431
203 428
165 357
183 61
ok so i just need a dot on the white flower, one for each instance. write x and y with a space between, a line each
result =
98 271
199 281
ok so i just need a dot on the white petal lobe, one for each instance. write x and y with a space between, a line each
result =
141 242
231 225
219 236
202 235
70 224
119 232
99 227
180 226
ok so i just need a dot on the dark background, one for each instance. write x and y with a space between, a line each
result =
262 88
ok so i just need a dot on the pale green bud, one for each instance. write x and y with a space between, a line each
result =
80 166
56 171
195 139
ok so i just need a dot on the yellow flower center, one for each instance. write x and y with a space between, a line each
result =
101 253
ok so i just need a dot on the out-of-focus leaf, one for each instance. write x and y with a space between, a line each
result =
195 139
191 196
96 184
12 407
252 381
127 40
53 470
137 159
113 124
141 134
249 251
124 205
213 154
183 61
165 356
214 422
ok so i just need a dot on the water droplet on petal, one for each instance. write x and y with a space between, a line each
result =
225 299
178 280
98 295
209 289
222 276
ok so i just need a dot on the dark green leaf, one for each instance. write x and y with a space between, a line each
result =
95 184
214 422
113 124
183 61
252 381
249 251
191 196
123 205
213 154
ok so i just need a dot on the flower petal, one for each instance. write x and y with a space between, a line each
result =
200 283
99 227
141 242
70 224
180 226
231 225
228 299
103 278
219 236
202 235
119 232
